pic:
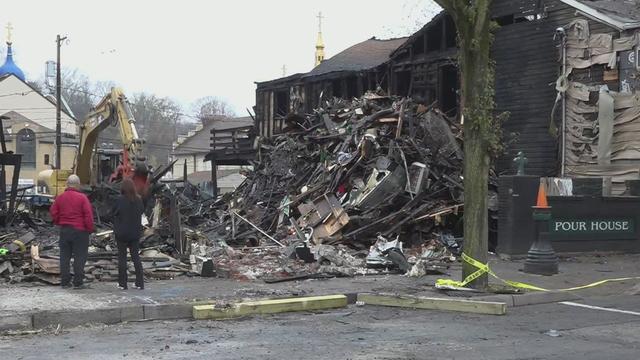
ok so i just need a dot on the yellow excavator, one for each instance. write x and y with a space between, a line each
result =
113 109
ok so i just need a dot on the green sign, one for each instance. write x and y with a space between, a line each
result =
619 228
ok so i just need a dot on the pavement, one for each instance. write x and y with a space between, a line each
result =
547 331
34 306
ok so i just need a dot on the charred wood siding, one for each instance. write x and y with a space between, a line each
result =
527 66
299 94
512 7
417 67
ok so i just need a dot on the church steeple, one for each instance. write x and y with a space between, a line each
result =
9 66
319 42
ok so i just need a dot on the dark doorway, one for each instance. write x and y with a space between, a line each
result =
282 103
26 145
449 86
282 109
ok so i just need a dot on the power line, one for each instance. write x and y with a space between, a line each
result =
50 134
18 93
166 146
179 113
28 108
132 103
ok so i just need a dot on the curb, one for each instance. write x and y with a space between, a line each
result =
108 316
436 303
261 307
184 310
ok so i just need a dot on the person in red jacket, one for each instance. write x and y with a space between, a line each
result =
72 212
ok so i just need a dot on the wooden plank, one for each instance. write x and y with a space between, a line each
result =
201 312
447 304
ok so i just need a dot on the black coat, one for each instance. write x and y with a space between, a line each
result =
127 219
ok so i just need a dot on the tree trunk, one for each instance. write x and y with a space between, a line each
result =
476 170
477 89
472 19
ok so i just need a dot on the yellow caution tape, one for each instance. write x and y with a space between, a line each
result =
484 269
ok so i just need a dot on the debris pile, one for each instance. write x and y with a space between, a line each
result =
36 257
351 171
373 175
358 187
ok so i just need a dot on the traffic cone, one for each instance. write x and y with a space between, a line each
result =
541 259
541 202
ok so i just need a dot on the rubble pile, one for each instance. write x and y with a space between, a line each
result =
351 171
358 187
34 255
373 175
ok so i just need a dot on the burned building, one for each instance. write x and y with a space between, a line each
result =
425 68
528 56
348 74
598 93
526 50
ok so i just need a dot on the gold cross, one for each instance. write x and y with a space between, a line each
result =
320 17
9 27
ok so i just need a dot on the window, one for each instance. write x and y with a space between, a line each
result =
352 87
450 32
448 78
418 45
46 159
518 18
403 82
26 145
336 88
515 12
434 36
282 103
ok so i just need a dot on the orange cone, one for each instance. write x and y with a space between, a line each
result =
542 203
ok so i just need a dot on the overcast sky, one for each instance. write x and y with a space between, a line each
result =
189 49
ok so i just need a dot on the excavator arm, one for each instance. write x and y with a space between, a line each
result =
113 109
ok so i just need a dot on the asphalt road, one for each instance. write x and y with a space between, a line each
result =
359 333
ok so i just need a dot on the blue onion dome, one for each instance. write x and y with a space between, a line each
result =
9 66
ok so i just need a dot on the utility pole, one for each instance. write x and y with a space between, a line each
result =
58 104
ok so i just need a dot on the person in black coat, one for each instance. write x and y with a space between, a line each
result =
127 226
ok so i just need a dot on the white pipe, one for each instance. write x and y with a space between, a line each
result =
563 41
257 228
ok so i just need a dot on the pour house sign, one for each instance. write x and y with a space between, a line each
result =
621 228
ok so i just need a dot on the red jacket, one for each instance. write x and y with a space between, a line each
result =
72 208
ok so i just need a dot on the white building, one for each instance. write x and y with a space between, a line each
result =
194 146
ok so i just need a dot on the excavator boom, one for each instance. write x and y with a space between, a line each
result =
113 109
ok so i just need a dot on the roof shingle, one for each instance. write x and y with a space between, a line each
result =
362 56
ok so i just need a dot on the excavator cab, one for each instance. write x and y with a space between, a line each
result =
105 163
